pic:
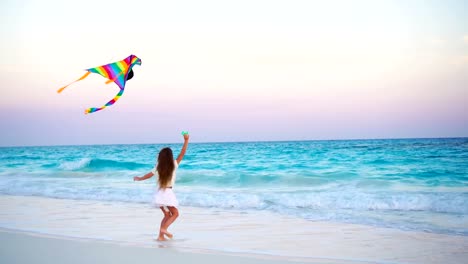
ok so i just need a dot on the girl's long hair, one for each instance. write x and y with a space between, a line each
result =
165 167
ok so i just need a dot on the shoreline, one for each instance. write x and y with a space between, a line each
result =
219 232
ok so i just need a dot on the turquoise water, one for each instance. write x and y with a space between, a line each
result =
409 184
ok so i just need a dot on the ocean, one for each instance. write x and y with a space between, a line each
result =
404 184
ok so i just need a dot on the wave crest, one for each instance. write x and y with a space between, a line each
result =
100 164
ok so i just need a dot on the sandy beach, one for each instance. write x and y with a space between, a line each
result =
32 248
49 228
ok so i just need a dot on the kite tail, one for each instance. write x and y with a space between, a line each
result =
81 78
111 102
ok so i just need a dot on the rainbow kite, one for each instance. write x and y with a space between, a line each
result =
118 72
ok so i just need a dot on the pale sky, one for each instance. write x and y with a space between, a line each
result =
234 70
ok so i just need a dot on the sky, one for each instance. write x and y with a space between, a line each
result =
234 70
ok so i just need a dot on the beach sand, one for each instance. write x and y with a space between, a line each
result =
31 248
46 230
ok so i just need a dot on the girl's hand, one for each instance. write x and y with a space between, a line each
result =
136 178
184 147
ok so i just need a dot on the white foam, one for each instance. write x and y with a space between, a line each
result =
74 165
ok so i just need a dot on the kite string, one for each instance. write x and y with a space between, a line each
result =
81 78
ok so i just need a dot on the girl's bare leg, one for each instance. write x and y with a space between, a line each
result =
174 213
166 217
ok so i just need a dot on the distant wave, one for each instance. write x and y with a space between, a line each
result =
21 158
99 164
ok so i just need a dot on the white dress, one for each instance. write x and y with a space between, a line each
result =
166 196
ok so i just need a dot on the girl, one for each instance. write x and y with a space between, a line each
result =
165 197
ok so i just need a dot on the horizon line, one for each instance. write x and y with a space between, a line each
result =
221 142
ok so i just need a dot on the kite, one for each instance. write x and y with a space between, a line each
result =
118 72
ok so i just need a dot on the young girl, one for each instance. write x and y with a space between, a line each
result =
165 197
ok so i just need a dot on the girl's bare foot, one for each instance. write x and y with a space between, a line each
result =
161 238
169 235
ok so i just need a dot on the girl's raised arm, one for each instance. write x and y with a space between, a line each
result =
184 148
